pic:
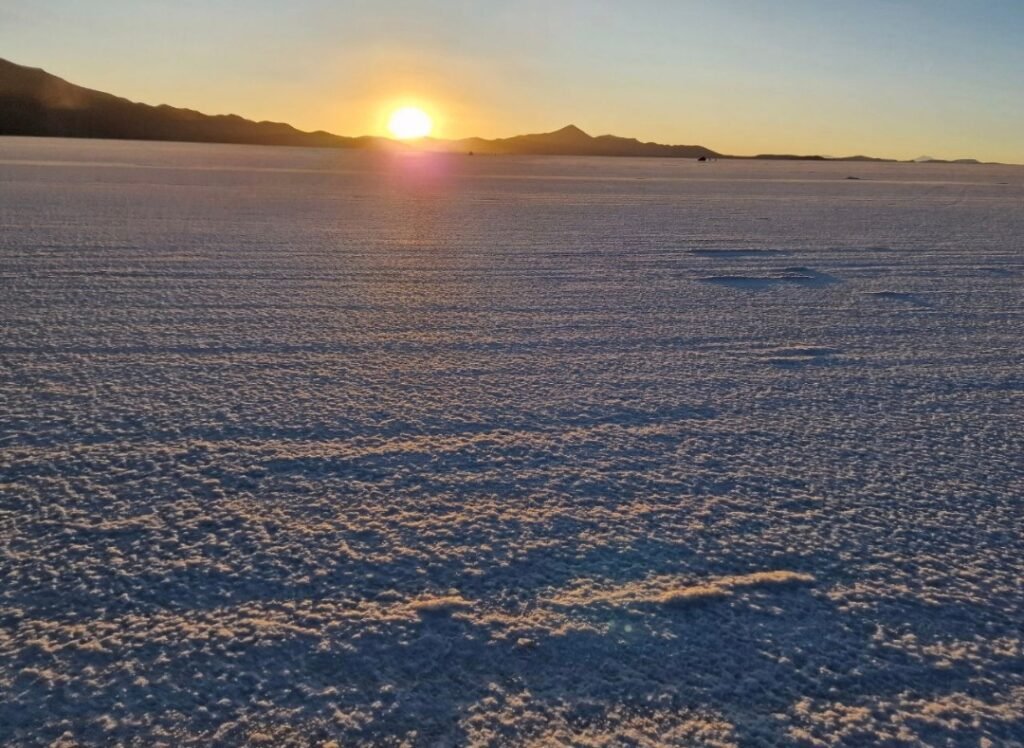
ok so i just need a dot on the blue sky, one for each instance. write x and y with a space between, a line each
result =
887 77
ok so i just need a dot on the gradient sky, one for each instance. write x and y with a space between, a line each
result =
894 78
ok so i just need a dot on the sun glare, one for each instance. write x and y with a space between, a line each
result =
409 122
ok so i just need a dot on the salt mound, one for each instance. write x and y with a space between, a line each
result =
445 605
721 588
695 595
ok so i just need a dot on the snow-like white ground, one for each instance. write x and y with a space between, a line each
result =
303 446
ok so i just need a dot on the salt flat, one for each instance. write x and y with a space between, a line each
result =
300 446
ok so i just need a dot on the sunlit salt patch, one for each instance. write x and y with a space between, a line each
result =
766 579
578 722
668 590
724 586
445 605
825 721
695 595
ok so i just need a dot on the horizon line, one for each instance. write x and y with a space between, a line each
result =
410 143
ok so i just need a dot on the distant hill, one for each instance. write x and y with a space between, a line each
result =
930 160
794 157
572 141
33 102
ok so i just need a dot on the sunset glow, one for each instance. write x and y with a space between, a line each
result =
410 122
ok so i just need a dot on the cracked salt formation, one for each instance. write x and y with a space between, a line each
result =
299 448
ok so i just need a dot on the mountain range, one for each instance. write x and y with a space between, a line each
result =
36 103
572 141
33 102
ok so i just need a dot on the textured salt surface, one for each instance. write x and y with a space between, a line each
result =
302 446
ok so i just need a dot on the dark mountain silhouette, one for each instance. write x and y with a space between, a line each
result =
33 102
572 141
930 160
795 157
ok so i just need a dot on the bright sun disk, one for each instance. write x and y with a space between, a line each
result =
409 122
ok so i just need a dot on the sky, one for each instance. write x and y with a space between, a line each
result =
888 78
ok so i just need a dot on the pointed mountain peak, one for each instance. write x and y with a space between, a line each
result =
571 131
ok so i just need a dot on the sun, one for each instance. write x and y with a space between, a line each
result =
410 122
